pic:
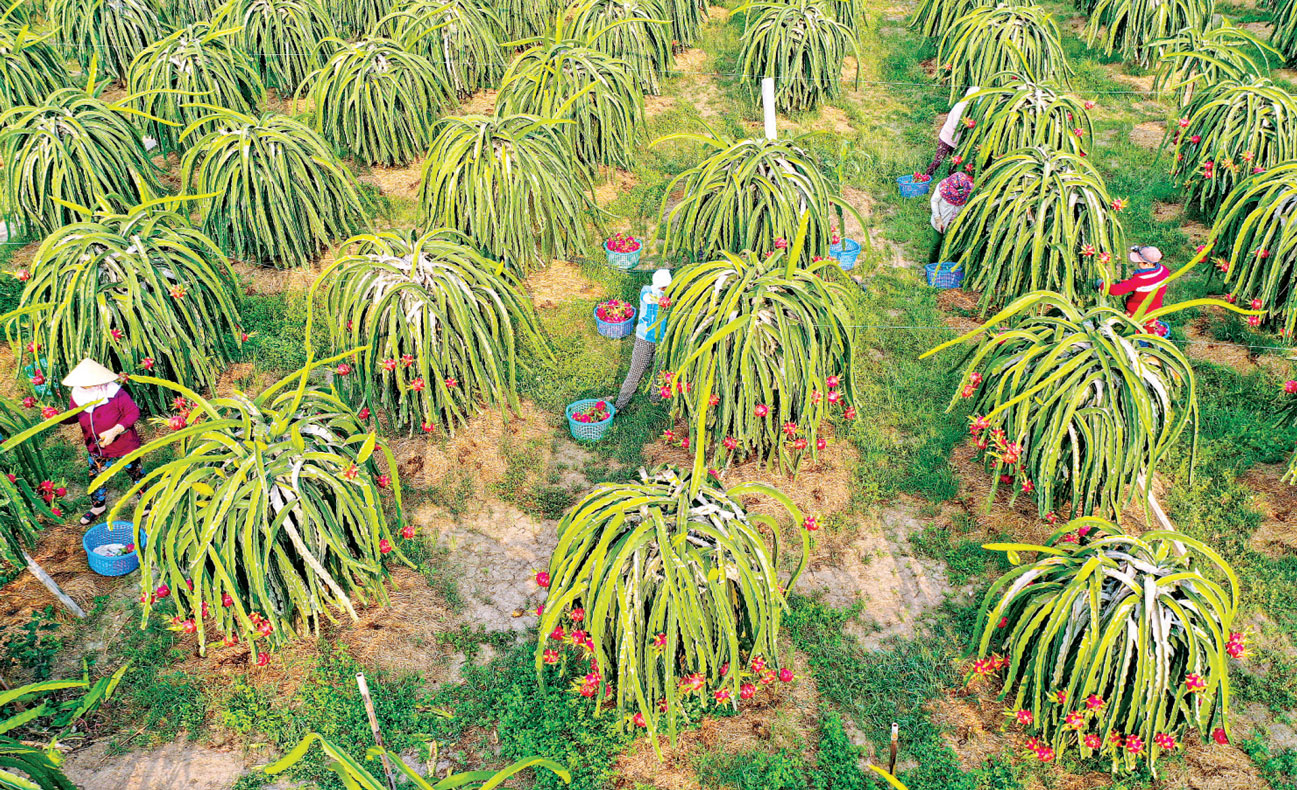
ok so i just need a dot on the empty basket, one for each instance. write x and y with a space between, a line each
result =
947 274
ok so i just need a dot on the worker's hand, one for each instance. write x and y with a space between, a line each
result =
109 436
1098 284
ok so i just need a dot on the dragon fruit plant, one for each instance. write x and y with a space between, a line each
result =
1131 27
934 17
272 190
512 183
180 13
36 717
1022 114
1072 407
378 101
637 32
1288 417
1284 36
1192 61
802 45
170 75
142 292
27 494
1230 131
106 35
274 512
991 45
1109 645
525 19
28 497
568 78
1253 239
33 68
759 353
748 195
460 38
440 323
1038 219
356 776
286 39
683 613
687 18
355 18
69 155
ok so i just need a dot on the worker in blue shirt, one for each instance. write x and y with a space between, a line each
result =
649 328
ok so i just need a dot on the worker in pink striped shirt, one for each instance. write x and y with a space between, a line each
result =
1147 284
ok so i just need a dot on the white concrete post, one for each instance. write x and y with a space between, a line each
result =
768 102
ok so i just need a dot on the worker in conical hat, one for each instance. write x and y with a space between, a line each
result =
107 425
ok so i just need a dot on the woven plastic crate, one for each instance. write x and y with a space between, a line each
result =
114 532
617 329
911 188
622 260
847 255
947 274
589 431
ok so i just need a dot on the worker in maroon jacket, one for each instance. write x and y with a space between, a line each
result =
107 425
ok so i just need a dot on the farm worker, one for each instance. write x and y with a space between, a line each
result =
948 199
649 328
1147 284
107 425
951 131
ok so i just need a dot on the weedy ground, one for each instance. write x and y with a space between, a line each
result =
877 629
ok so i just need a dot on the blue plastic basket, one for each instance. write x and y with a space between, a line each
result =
947 274
623 260
1166 332
30 371
115 532
847 254
911 188
614 329
589 431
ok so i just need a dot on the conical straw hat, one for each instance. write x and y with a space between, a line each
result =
89 373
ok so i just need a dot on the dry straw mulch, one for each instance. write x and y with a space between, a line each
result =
782 716
477 448
821 487
561 282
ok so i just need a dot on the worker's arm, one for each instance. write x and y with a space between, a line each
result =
1122 288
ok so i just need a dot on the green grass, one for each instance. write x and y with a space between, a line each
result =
278 328
1280 769
835 765
155 703
903 434
965 559
895 684
501 697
